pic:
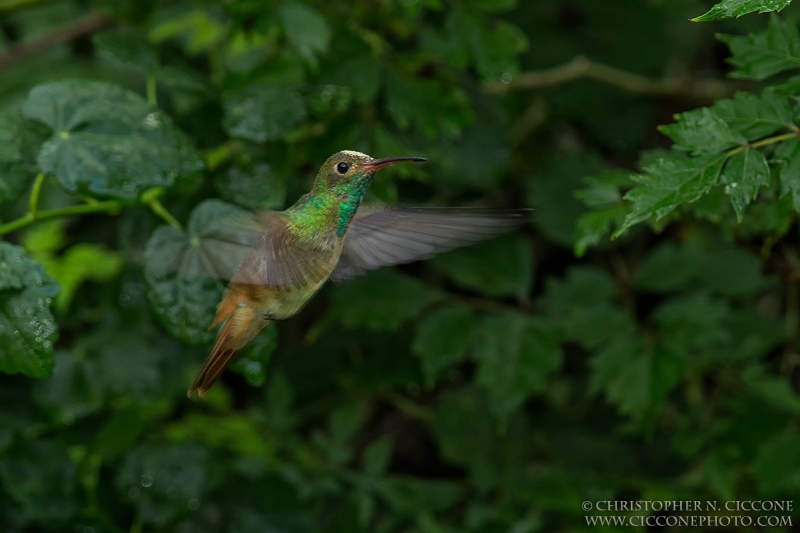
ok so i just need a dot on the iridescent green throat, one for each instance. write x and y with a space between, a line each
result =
351 195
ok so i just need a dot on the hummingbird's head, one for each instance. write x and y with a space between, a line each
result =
348 173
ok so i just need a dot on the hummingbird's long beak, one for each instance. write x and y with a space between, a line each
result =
377 164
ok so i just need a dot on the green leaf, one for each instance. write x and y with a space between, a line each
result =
736 8
14 177
39 476
27 328
180 286
777 466
253 361
494 48
583 286
702 132
306 30
745 173
497 267
259 187
788 156
261 112
755 117
81 263
161 479
106 140
777 391
594 226
383 300
377 456
126 49
719 269
516 356
425 105
552 192
633 377
668 183
494 6
362 75
765 53
442 339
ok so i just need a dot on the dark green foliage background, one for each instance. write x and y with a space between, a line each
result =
492 389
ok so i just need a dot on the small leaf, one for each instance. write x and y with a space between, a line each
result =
765 53
633 377
106 140
668 183
443 338
261 113
259 187
180 286
306 30
702 132
516 356
594 226
736 8
777 466
27 328
788 155
497 267
755 117
383 300
743 175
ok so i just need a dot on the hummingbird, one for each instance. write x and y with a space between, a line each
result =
326 235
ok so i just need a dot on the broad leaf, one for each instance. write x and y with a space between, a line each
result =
777 466
27 328
106 140
262 112
765 53
754 117
161 480
736 8
745 173
259 187
305 29
14 177
181 267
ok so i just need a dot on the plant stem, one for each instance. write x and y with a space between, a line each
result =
158 208
33 206
109 206
152 97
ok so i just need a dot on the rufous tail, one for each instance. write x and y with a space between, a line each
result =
242 324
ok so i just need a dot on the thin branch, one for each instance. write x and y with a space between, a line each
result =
60 35
583 68
10 5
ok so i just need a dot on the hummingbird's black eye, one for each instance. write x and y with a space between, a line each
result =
342 168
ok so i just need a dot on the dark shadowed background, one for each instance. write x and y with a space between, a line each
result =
495 388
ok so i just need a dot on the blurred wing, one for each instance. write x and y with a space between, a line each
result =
392 235
280 260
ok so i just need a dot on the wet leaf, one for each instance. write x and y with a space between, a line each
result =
106 140
27 328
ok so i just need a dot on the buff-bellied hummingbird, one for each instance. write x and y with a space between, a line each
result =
325 235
